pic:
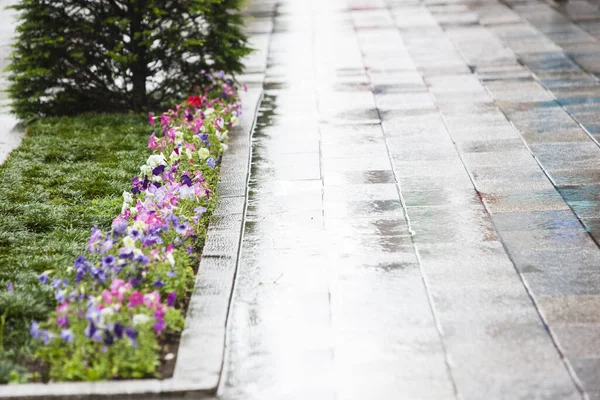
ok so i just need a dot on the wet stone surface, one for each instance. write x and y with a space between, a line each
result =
423 210
10 133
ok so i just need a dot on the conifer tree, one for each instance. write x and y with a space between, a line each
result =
74 56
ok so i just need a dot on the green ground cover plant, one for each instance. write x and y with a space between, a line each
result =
67 176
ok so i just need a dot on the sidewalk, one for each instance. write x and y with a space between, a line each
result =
10 134
423 176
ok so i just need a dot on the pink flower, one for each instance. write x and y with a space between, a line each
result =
107 296
116 284
151 300
152 142
63 308
151 118
136 299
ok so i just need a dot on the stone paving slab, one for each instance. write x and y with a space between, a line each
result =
11 133
438 238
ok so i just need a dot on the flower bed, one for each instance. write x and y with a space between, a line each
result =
125 295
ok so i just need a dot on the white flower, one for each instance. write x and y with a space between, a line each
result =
187 192
145 170
139 319
178 136
124 208
171 259
235 121
127 197
203 153
225 147
174 156
140 226
208 111
155 160
128 241
104 313
222 135
188 153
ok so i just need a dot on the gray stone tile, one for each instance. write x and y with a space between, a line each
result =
584 200
544 200
492 145
359 177
585 155
522 241
554 259
575 177
570 309
536 220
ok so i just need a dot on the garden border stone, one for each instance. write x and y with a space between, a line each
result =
202 347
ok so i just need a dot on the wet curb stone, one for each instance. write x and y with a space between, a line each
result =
201 351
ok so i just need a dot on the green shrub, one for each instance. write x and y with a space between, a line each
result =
74 56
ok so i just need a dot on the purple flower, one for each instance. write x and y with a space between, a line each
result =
182 229
185 180
119 227
158 170
59 296
106 246
135 282
56 283
92 314
96 233
108 338
10 287
199 211
171 299
46 337
135 234
92 332
43 278
118 330
62 321
204 138
159 326
125 252
158 283
108 261
142 259
81 266
35 331
132 335
171 273
172 219
98 274
211 162
67 335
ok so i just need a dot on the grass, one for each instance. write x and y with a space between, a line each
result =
67 176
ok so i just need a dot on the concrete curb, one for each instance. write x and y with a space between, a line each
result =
202 347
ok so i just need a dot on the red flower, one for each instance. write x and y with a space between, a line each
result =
195 101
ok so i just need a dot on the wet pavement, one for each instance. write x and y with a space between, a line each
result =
10 133
424 203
